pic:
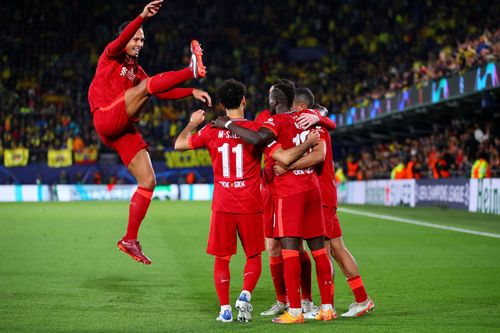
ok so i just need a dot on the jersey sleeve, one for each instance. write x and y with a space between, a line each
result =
325 121
263 116
200 138
271 148
118 45
273 125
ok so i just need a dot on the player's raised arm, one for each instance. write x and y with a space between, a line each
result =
118 45
180 93
289 156
182 142
261 137
307 120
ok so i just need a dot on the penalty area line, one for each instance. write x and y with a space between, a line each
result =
415 222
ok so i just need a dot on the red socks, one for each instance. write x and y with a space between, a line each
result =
253 268
324 275
276 265
305 275
221 279
291 264
358 288
168 80
139 205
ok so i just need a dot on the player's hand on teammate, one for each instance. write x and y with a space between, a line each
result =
312 138
152 8
197 117
220 122
202 96
306 120
279 169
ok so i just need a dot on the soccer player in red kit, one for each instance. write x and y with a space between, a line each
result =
117 97
297 205
322 160
237 203
273 245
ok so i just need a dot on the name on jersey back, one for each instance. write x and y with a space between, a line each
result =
227 135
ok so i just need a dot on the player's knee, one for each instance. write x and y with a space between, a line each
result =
253 256
143 87
337 250
148 181
274 249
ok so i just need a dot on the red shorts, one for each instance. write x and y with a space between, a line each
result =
268 212
332 225
117 131
299 215
225 226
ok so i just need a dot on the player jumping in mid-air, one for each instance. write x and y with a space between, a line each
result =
237 203
322 160
297 205
117 97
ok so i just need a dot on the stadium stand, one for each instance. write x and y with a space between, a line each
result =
347 62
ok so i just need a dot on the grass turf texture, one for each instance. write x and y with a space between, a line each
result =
60 271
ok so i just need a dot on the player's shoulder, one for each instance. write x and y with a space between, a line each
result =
250 124
263 116
206 130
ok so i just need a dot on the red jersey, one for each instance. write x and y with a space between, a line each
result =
236 166
326 172
268 173
289 134
115 71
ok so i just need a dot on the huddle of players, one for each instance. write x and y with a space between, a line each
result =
294 200
287 207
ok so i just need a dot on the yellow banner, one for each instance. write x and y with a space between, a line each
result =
188 159
59 158
86 156
16 157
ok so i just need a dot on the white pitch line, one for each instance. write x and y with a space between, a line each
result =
420 223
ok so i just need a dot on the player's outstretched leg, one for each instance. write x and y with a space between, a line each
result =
136 97
196 65
222 277
140 167
362 304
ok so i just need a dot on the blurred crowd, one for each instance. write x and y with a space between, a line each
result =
449 152
347 52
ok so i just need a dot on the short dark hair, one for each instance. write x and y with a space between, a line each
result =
288 91
230 93
284 81
304 95
123 26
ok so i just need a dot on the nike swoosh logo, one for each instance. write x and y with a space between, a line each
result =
248 273
224 280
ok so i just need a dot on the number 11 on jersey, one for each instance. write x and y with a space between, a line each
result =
238 152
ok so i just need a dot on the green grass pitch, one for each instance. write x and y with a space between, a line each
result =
60 271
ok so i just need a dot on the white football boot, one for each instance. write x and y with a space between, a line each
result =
276 309
359 309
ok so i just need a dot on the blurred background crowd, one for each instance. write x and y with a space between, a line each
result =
346 55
